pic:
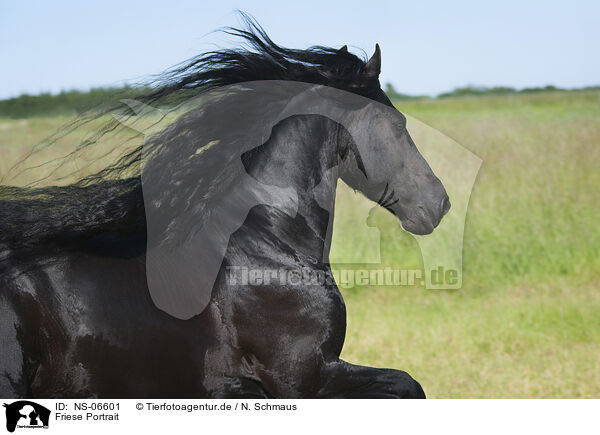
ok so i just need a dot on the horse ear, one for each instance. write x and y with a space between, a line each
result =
373 66
344 49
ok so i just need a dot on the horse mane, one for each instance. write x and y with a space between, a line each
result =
108 204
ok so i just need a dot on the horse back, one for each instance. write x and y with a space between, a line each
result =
81 325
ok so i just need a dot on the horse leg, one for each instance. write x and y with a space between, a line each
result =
238 388
344 380
12 377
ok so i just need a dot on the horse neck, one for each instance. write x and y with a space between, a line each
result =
302 154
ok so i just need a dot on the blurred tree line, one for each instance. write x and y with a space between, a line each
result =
479 91
66 102
76 102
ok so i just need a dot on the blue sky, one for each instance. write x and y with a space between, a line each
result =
428 46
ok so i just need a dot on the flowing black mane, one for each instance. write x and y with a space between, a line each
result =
262 59
32 215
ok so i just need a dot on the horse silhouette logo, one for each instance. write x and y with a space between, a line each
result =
26 414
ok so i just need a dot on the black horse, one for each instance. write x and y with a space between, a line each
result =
108 287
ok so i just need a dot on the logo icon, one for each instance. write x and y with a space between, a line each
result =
26 414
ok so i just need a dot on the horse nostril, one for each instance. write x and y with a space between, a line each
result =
445 205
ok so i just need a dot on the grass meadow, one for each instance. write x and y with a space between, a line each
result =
526 322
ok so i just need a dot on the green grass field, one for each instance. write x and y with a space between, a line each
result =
527 321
